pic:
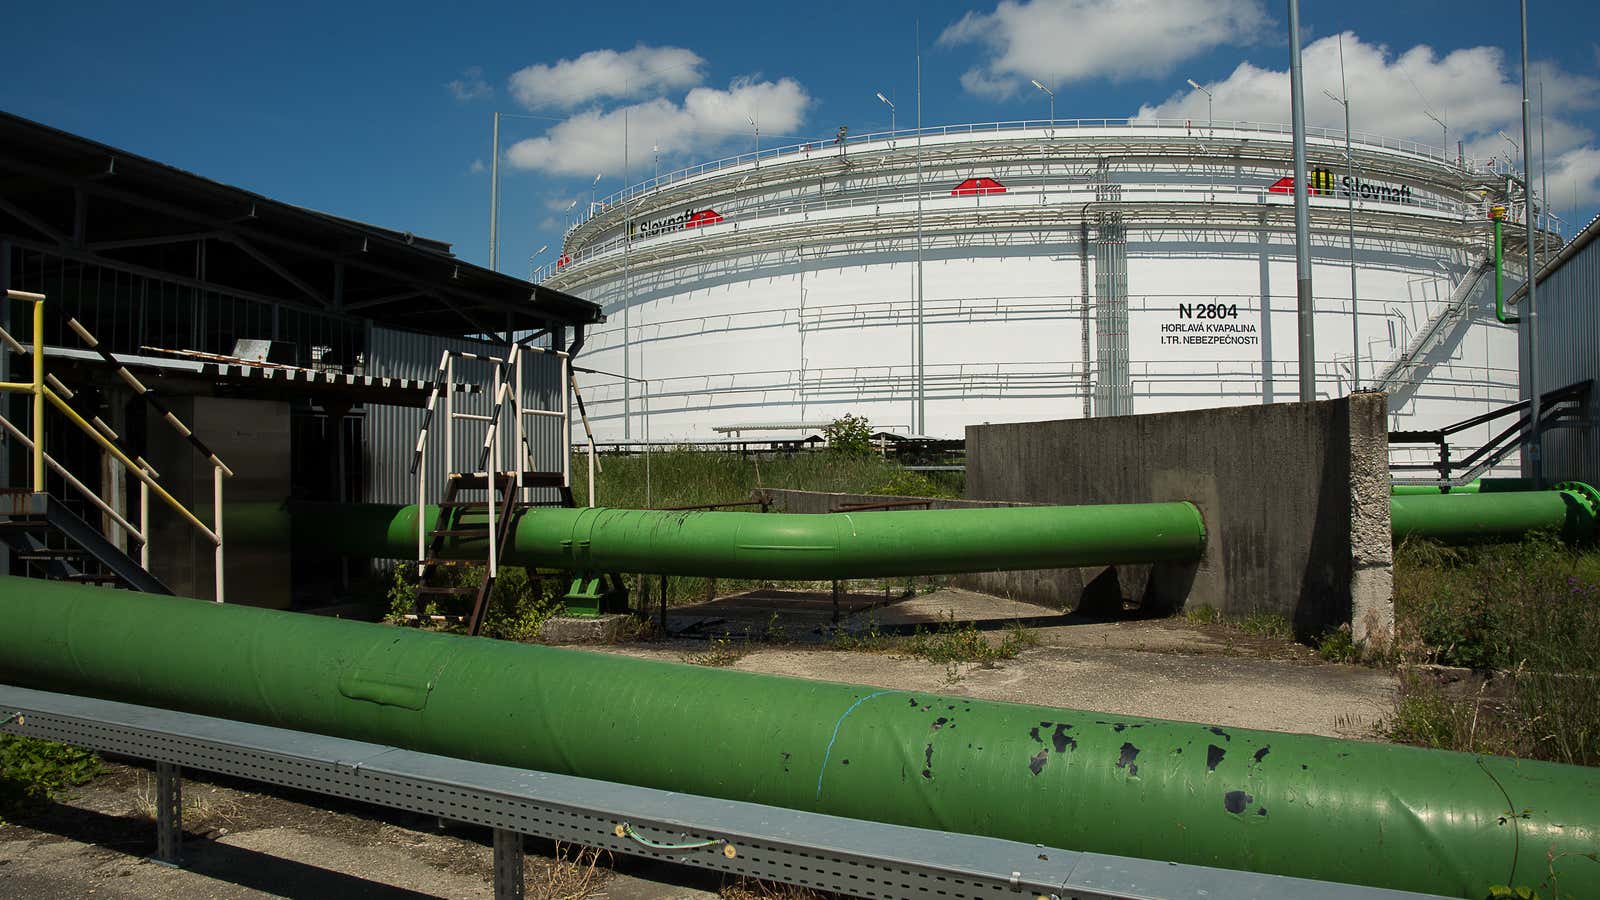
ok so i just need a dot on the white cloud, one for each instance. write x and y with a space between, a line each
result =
607 75
476 168
706 119
1574 178
1473 89
1060 41
470 86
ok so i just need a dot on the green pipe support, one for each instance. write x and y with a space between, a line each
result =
1350 811
758 545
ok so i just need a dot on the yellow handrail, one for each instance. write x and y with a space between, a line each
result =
134 468
42 392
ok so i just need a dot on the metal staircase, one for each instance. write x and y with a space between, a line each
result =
45 534
56 543
1457 311
478 510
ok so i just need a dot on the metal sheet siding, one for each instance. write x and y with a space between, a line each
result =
392 430
1569 350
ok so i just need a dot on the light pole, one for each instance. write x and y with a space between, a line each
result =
891 110
1306 311
566 214
1052 95
592 186
494 197
1210 130
1444 149
757 126
532 270
1350 192
1536 451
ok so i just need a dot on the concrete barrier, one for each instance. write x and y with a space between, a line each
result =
1295 498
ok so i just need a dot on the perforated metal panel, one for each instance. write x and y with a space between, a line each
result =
848 856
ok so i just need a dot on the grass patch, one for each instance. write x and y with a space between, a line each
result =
519 604
720 653
1268 625
686 477
1530 609
683 477
952 643
34 771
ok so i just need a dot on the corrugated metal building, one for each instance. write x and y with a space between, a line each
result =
178 277
1567 328
391 431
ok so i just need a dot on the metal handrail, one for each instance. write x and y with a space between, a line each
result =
1190 128
41 389
1023 194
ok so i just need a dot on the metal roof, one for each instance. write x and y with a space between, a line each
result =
85 200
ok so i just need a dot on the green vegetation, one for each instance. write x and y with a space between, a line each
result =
518 604
685 477
720 653
1267 624
950 643
1531 611
33 771
849 436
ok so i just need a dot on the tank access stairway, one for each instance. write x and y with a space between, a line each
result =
1400 375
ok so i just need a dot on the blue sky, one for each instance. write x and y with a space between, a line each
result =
381 112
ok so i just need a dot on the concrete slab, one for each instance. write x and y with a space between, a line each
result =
1162 668
605 629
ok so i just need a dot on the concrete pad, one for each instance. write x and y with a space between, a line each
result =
603 629
961 606
798 613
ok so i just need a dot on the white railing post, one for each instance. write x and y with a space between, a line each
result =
144 524
216 501
591 472
519 437
493 475
566 421
449 410
422 509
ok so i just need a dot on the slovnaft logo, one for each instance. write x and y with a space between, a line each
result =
1324 183
689 218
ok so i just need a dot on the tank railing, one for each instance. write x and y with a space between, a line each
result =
805 206
47 388
1190 128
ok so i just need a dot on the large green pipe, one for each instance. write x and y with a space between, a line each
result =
756 545
1291 804
1454 518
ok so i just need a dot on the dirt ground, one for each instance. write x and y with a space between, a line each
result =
245 841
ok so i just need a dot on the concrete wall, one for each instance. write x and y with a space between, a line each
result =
1295 498
252 437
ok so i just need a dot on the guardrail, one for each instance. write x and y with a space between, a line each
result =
45 388
1021 194
1189 127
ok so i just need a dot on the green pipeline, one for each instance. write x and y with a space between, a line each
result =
1349 811
1499 279
1571 509
757 545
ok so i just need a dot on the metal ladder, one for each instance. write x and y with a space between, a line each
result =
470 532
